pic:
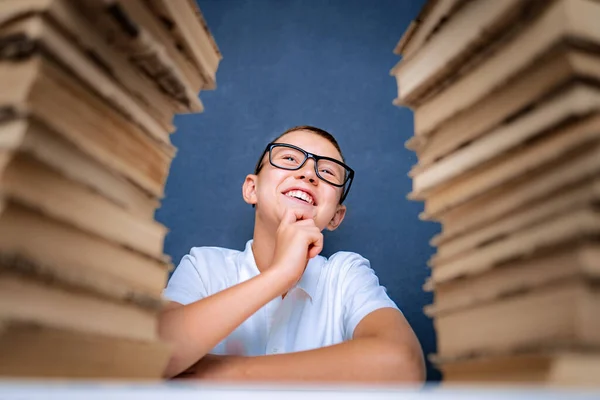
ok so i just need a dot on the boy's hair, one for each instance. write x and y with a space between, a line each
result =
321 132
318 131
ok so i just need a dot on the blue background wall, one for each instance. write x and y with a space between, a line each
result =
306 62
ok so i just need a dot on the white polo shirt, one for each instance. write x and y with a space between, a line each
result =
323 309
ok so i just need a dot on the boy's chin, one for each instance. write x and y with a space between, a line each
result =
307 211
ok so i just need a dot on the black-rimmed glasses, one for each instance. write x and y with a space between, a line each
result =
289 157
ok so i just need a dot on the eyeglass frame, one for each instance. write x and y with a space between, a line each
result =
307 155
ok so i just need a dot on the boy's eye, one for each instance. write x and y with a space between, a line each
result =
288 158
328 171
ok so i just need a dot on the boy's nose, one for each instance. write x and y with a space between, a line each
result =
307 172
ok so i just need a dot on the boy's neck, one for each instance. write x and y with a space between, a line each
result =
263 246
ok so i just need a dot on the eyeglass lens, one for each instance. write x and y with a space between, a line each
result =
289 158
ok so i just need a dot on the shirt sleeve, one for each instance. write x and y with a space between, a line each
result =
362 294
186 285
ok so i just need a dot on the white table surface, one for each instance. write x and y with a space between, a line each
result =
37 390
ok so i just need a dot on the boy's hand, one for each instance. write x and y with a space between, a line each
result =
298 240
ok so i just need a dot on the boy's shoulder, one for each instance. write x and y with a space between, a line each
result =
218 267
348 272
213 251
343 262
209 257
346 258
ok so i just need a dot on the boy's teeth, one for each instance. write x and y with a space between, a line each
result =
300 195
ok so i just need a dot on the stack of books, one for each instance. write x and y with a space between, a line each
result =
506 101
88 92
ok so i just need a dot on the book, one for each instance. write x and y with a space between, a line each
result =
525 191
550 147
38 35
559 314
554 367
52 149
557 264
138 12
574 20
550 75
89 92
31 350
92 44
186 24
570 226
90 123
477 24
36 302
506 108
431 17
131 27
35 243
574 102
577 196
31 182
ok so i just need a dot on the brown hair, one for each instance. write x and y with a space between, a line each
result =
318 131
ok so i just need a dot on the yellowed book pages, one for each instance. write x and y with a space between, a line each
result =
552 265
574 102
89 41
575 19
563 314
84 119
140 13
190 30
549 148
49 147
586 193
38 32
40 187
156 58
554 368
570 226
32 241
507 103
41 352
416 25
133 18
466 33
433 14
33 301
523 192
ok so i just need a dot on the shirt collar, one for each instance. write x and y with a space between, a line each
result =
310 278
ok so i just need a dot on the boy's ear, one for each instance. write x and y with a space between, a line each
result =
338 217
249 189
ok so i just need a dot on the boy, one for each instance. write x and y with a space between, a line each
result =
278 310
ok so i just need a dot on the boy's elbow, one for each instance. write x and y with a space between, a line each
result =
408 364
170 370
178 359
175 366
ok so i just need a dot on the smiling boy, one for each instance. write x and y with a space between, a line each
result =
278 311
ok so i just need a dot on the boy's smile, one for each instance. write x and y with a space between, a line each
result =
301 194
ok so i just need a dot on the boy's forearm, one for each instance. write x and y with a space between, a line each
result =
196 328
370 359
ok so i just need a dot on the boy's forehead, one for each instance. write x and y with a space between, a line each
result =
312 143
